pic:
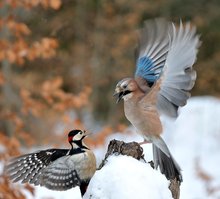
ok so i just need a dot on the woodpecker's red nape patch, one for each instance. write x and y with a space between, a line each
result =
70 138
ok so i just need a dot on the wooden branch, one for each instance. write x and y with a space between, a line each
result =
134 150
175 188
117 147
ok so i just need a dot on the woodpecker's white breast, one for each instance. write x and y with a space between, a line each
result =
83 163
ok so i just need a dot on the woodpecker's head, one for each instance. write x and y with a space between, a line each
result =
75 137
125 88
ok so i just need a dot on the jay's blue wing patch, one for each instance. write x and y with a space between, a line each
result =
152 49
169 51
147 69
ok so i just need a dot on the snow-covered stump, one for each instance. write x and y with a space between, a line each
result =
117 147
120 176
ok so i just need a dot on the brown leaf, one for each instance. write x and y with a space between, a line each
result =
11 56
55 4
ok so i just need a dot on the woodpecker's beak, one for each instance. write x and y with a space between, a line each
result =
86 134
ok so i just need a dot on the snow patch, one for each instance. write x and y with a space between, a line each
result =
127 178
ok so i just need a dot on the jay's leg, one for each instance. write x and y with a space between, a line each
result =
144 142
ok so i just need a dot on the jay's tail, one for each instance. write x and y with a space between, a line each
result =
167 164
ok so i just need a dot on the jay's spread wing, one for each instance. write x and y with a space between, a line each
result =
28 168
151 52
178 76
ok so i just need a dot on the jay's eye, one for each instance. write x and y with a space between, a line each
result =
124 86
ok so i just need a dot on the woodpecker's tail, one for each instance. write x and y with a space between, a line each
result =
167 164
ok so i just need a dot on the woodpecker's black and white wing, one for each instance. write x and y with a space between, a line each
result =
60 175
28 168
69 171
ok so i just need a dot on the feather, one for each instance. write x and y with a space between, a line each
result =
164 160
60 175
178 75
27 168
152 50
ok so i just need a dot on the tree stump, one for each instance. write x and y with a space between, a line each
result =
134 150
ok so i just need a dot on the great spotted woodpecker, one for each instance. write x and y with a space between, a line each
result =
56 169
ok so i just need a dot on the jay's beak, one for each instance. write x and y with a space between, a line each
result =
118 95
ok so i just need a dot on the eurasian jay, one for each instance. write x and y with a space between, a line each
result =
163 79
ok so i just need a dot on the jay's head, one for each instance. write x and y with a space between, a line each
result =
125 88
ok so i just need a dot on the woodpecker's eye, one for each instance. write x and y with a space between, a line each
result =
80 133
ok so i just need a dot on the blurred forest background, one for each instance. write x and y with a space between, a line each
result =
60 61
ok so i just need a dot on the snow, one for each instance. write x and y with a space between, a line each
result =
194 141
44 193
128 178
197 139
